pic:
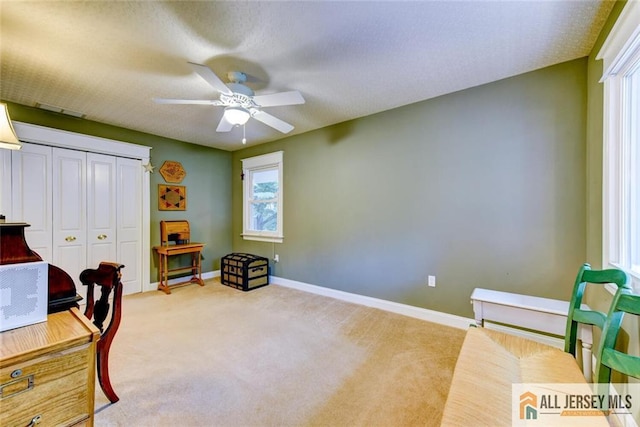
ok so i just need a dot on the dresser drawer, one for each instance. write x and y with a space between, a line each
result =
54 387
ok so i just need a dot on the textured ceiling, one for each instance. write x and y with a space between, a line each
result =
108 60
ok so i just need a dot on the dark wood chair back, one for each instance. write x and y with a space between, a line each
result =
107 276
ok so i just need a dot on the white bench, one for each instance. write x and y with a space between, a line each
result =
534 313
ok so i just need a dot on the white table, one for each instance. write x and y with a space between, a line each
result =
534 313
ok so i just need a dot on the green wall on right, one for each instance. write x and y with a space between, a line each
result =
481 188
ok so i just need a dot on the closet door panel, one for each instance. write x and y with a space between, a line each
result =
129 181
31 199
129 253
101 209
70 212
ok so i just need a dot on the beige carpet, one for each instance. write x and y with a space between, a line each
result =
274 356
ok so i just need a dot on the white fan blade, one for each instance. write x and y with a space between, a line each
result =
186 101
224 125
272 121
210 77
276 99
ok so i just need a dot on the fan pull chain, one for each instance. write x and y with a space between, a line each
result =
244 135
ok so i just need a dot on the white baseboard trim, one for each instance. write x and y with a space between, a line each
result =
394 307
154 286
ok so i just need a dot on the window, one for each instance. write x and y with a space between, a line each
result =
262 198
621 189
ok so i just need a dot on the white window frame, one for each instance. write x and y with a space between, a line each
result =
621 156
255 164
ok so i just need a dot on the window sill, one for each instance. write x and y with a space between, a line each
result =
262 238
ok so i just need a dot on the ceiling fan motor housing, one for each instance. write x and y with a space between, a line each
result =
237 76
240 88
238 99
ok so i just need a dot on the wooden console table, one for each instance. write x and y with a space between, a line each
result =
175 240
164 252
534 313
47 372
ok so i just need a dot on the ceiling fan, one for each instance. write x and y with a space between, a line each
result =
239 101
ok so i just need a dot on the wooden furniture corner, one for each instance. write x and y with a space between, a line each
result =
47 372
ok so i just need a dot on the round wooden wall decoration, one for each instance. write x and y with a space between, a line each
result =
172 171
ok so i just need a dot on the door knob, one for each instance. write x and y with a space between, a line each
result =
70 238
102 236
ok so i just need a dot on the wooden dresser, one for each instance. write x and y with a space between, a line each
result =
47 372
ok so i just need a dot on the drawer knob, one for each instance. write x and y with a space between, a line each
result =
102 236
16 373
35 420
70 238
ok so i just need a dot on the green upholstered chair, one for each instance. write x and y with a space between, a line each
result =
576 314
608 357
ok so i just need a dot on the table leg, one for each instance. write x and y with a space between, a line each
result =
477 313
585 333
164 274
587 366
196 269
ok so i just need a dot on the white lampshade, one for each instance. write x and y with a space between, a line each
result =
8 138
236 115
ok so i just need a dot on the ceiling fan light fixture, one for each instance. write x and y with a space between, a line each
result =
236 115
8 137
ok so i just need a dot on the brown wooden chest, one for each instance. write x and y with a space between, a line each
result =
244 271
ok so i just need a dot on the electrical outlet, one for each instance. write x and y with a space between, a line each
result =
432 281
276 258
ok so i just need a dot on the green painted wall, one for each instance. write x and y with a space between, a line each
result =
594 143
481 188
208 181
